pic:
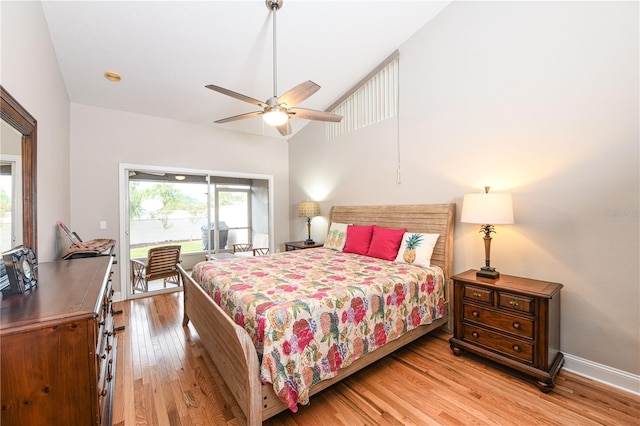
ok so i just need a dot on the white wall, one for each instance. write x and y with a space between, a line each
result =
538 99
10 140
30 73
101 139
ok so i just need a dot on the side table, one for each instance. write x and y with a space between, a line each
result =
510 320
300 245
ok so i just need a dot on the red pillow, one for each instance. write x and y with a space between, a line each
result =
358 239
385 243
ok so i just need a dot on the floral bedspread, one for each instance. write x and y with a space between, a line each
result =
311 312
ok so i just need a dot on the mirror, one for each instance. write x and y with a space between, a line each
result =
10 187
17 117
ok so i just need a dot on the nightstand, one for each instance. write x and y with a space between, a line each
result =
300 245
510 320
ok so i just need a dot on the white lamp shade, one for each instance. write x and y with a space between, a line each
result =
487 209
275 117
308 209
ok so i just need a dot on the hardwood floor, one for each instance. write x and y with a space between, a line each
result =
165 377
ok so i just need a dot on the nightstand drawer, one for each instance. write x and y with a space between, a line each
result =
499 320
498 342
515 302
478 294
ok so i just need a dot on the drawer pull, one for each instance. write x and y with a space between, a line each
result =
475 334
517 348
475 314
476 294
513 303
517 325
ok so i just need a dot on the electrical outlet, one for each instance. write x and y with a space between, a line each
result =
103 224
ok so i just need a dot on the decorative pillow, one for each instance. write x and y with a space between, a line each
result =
417 248
385 242
337 236
358 239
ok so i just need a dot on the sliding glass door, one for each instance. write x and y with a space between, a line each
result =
201 213
166 208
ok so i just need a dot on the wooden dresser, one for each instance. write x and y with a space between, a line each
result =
58 352
513 321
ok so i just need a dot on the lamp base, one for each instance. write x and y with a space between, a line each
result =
488 272
309 241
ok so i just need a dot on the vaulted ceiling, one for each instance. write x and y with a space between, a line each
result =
167 51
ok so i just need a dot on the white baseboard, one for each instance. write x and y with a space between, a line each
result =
602 373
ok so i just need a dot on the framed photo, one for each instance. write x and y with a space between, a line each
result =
22 270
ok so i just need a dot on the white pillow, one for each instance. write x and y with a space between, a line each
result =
416 248
337 236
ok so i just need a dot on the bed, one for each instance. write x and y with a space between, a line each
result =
239 356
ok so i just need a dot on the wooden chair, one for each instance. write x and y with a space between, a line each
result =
260 246
161 263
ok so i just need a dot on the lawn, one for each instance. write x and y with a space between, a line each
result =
187 247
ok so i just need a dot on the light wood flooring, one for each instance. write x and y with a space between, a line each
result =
165 377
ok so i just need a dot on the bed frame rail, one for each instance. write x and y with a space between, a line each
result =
229 345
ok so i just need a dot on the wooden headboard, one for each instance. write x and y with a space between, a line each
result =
427 218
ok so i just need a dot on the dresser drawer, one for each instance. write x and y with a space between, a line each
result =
479 294
498 342
515 302
499 320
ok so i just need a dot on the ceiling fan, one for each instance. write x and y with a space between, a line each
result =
277 110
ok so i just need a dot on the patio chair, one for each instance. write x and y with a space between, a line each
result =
260 246
161 264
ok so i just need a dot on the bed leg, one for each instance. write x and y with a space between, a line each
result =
185 281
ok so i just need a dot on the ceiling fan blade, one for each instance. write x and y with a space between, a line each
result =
236 95
285 129
239 117
311 114
298 94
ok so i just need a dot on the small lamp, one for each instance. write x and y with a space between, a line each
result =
487 210
309 209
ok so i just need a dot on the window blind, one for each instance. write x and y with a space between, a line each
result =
374 100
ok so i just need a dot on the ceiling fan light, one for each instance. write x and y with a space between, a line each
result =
275 117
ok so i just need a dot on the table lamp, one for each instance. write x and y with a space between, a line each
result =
487 210
309 209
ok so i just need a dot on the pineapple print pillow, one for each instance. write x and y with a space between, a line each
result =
337 236
417 248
